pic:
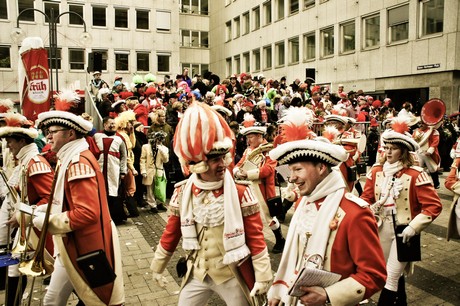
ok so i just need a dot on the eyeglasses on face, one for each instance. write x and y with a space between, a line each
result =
52 132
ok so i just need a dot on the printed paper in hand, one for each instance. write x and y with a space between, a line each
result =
309 277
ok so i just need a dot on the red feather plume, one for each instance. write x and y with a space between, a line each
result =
400 125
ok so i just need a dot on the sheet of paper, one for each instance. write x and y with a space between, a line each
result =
284 171
313 277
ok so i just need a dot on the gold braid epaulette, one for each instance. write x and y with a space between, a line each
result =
260 149
250 210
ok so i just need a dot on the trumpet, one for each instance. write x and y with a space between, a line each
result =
38 265
21 246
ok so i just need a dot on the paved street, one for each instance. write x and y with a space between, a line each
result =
436 279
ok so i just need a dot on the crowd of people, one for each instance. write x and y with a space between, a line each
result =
227 158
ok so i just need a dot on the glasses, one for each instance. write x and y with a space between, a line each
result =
386 148
49 132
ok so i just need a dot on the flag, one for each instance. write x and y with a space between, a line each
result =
34 84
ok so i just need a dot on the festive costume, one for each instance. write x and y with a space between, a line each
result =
452 183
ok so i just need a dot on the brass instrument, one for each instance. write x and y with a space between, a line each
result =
12 191
432 112
38 265
360 143
260 149
21 246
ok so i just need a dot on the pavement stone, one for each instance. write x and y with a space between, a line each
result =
436 279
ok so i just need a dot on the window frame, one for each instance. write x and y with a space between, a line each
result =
364 36
246 23
292 9
119 53
256 59
306 46
47 6
423 23
343 27
393 26
267 58
237 25
256 18
4 57
166 55
29 16
71 51
291 59
143 53
4 10
126 11
280 54
268 15
158 25
228 31
105 55
99 7
73 19
138 17
323 45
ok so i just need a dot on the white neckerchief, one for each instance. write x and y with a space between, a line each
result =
65 155
234 235
389 170
332 188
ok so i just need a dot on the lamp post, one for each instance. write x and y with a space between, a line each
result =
85 37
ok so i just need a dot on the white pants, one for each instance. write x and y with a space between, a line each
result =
198 293
150 196
60 287
395 268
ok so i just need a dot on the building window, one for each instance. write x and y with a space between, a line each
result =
432 15
246 62
26 4
256 17
280 9
195 39
398 24
3 10
204 68
55 7
121 61
54 62
228 31
246 23
236 23
294 55
204 39
280 54
74 19
371 31
142 20
327 42
77 59
99 18
143 61
308 4
268 12
5 58
163 62
204 8
200 7
293 6
104 58
237 61
268 57
256 59
228 65
185 38
309 46
121 18
348 37
163 21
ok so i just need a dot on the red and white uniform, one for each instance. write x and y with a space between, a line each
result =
83 226
211 252
363 272
453 184
353 155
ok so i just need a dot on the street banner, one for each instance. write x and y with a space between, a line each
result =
34 84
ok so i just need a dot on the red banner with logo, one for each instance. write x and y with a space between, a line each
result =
36 86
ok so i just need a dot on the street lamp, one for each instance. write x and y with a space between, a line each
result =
18 34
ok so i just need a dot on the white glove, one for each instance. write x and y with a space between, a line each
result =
144 174
41 208
135 173
39 219
407 233
288 194
259 288
159 279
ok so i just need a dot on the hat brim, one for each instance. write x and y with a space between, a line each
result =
336 118
8 131
406 140
254 130
318 148
67 119
222 109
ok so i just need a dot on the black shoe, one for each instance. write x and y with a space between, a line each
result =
154 210
161 207
46 280
437 187
278 247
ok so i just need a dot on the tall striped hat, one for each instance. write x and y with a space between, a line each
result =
201 133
